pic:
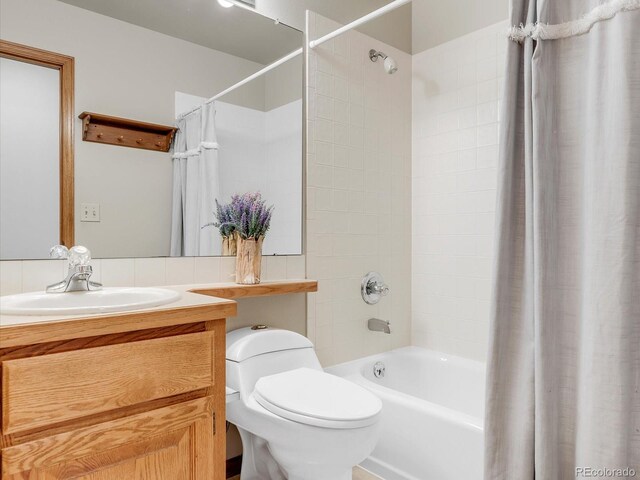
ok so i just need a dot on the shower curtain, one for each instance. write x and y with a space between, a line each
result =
563 386
195 185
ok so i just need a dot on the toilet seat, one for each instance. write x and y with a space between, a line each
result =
316 398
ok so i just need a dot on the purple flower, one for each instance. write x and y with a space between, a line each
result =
247 215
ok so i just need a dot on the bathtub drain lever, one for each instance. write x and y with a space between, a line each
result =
379 369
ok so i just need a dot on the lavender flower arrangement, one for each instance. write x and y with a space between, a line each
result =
247 215
224 220
250 215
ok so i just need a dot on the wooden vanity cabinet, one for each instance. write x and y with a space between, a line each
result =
140 405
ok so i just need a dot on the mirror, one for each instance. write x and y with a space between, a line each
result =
153 62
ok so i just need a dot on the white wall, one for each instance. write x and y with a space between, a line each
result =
456 90
29 159
358 193
128 71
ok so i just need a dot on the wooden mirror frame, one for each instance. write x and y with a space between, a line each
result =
65 65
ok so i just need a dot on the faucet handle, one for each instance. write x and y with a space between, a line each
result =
59 251
79 256
373 288
381 289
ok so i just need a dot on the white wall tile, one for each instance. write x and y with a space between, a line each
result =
180 271
351 229
37 274
227 269
10 277
454 182
296 267
117 272
207 270
149 272
276 267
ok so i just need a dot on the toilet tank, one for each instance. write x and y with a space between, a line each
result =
255 353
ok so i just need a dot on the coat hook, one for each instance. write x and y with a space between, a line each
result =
121 138
139 141
100 135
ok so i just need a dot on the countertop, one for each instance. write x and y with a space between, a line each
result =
192 307
197 303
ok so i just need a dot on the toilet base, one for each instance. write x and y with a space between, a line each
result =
258 464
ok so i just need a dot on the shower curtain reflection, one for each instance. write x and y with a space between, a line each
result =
196 185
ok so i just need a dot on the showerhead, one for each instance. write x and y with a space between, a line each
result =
390 65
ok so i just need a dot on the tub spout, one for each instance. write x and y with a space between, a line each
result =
377 325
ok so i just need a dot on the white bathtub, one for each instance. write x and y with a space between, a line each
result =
432 418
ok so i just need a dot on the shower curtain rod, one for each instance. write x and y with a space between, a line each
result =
312 44
356 23
266 69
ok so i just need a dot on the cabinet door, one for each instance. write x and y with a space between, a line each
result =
175 442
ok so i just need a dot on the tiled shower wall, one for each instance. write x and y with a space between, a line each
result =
358 192
456 89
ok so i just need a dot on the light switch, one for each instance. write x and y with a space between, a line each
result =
89 212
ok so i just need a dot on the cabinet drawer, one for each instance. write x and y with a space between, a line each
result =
54 388
174 442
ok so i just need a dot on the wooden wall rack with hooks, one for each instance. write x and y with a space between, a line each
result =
126 133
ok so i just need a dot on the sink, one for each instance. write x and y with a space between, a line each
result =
74 303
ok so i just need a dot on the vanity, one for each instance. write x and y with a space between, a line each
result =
136 394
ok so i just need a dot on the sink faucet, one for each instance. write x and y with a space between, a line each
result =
79 273
378 325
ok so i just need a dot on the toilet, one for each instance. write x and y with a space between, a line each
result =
296 422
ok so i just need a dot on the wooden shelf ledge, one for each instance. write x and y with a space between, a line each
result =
124 132
234 290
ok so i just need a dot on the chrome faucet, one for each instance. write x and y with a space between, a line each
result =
79 272
378 325
373 288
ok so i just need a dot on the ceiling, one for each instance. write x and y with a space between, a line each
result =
393 28
412 28
437 21
232 30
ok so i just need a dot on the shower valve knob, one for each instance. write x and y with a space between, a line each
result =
373 288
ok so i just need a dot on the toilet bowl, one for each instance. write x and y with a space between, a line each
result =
296 422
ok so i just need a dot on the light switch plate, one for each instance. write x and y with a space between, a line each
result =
89 212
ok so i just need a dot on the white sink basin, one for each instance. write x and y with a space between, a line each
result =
74 303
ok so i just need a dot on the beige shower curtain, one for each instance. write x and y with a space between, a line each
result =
563 386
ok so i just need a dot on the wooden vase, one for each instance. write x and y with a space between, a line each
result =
249 260
229 245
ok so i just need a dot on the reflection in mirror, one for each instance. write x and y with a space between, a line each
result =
140 62
36 151
29 170
258 148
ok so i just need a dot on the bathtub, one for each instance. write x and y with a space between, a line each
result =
432 418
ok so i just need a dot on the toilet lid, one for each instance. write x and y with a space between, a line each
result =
314 397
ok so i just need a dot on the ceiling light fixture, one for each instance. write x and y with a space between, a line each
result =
225 3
